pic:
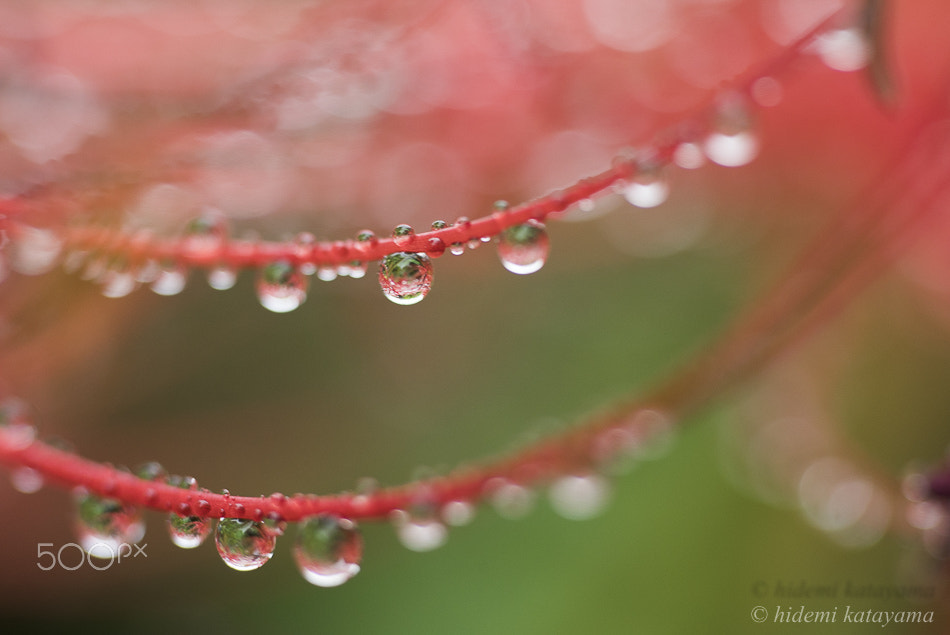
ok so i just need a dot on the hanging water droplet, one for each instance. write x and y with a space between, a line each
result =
473 244
579 497
104 524
222 278
689 156
147 272
648 188
244 545
523 248
328 550
327 273
402 235
171 279
458 513
731 143
844 49
304 243
118 282
457 249
357 269
405 277
34 251
510 500
280 287
419 534
26 480
188 532
206 235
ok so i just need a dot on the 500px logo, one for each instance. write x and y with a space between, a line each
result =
99 555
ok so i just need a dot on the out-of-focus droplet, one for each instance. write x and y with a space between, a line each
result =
151 471
767 91
328 550
523 249
844 49
405 277
648 188
118 282
403 235
420 533
731 142
188 532
357 269
104 524
579 497
327 274
281 287
34 251
457 249
222 278
244 545
510 500
206 235
171 280
26 480
458 513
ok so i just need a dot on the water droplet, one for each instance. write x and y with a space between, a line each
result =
579 497
188 532
457 249
405 277
731 150
485 239
501 206
646 190
151 471
843 49
18 435
689 156
327 274
357 269
304 243
222 278
118 283
147 272
280 287
366 236
473 244
458 513
34 251
328 550
463 222
170 280
731 142
206 235
104 524
523 248
420 534
402 235
26 480
439 224
510 500
244 545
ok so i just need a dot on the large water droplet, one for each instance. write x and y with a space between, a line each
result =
524 248
405 277
280 287
188 532
328 550
458 513
104 524
579 497
26 480
244 545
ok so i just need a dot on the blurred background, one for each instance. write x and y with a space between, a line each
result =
333 117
